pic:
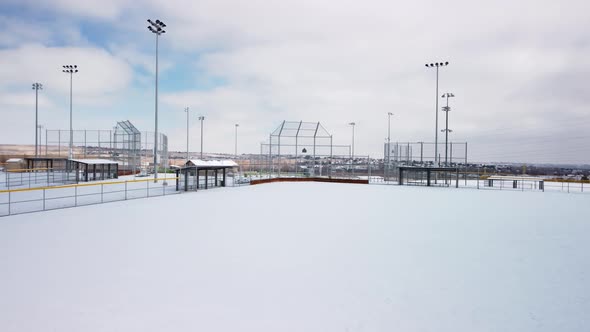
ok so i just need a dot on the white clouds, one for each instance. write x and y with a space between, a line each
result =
332 61
100 73
100 80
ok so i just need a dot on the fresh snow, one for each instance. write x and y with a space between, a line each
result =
302 257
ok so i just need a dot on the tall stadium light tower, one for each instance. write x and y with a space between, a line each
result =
186 109
157 28
353 124
447 109
37 87
201 118
71 69
436 65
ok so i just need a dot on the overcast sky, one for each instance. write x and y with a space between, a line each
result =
519 70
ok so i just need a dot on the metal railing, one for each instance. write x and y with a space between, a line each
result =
36 177
464 178
25 200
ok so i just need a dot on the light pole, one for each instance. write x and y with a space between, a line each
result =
187 119
236 143
201 118
436 65
389 114
157 29
352 124
71 69
447 109
37 87
39 128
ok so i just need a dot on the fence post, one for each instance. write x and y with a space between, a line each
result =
101 192
148 189
125 190
43 199
9 203
76 196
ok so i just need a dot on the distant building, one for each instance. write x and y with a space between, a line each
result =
14 163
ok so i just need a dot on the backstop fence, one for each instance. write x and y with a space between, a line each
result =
132 149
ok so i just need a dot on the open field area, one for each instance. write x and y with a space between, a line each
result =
302 257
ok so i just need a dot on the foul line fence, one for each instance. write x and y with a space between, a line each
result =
25 200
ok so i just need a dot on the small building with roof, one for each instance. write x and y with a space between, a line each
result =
94 169
203 174
14 164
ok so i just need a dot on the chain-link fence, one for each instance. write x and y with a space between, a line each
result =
132 149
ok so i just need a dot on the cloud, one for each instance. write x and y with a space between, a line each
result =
100 73
97 87
513 66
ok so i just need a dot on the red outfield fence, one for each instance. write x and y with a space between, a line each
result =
357 181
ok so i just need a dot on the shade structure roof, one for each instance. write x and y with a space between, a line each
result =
211 163
95 161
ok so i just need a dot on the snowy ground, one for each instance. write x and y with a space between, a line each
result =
302 257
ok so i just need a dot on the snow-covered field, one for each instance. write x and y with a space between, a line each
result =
302 257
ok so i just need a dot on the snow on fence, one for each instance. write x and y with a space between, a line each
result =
24 200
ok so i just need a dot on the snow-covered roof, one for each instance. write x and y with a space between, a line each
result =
14 160
211 163
95 161
515 178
